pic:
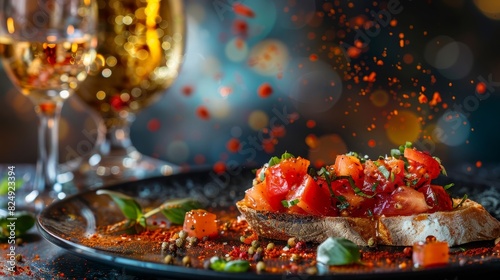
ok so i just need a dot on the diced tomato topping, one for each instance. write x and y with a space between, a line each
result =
389 186
349 203
437 198
383 176
403 201
255 197
282 178
346 165
313 198
430 164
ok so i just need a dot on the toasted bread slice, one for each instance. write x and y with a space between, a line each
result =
468 223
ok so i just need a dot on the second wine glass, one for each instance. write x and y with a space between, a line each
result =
141 48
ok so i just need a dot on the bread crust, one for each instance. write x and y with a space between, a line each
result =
468 223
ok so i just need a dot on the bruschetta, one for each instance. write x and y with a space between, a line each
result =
391 200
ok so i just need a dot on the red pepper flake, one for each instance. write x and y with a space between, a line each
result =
153 125
240 27
243 10
187 90
233 145
219 167
480 88
202 113
265 90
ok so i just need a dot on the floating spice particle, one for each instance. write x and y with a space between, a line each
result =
233 145
203 113
240 27
481 88
153 125
219 167
187 90
265 90
243 10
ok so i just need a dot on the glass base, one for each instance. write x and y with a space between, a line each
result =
27 196
97 170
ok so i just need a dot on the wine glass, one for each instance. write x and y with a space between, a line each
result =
47 47
141 48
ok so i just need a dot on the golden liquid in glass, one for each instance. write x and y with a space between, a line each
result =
140 50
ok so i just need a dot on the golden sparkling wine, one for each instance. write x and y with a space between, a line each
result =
140 50
47 71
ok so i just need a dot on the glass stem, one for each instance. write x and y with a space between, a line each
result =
46 185
117 141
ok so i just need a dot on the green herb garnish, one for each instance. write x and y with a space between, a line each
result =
174 210
290 203
276 160
236 266
338 251
22 220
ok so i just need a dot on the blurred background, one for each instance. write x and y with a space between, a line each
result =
314 78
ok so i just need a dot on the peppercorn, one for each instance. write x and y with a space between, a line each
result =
186 261
183 234
169 259
260 267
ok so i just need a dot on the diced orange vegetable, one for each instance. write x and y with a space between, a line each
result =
200 223
428 254
255 197
346 165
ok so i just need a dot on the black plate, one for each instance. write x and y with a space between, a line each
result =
66 222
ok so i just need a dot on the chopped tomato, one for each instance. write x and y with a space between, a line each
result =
346 165
403 201
200 223
350 203
313 197
255 197
431 165
383 175
437 198
428 254
282 178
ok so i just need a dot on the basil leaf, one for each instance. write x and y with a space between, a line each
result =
385 172
396 153
274 161
237 266
357 190
338 251
217 264
286 155
129 207
446 187
23 221
288 204
175 210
